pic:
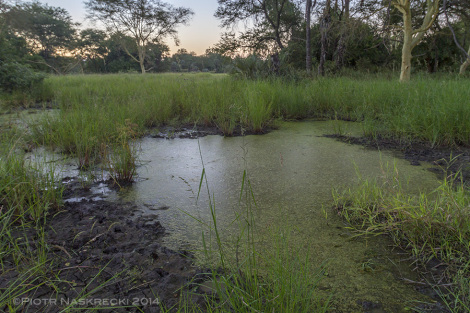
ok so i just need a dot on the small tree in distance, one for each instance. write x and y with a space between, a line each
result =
146 21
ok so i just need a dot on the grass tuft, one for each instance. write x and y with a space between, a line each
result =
432 226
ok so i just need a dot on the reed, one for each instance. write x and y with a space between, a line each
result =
95 106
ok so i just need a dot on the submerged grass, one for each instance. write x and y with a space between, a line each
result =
431 226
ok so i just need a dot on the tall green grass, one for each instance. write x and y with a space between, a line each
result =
426 109
28 193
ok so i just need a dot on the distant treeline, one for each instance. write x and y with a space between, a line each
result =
343 35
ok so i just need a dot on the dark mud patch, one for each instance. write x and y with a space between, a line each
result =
447 160
102 254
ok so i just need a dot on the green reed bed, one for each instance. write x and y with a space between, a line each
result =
95 108
434 226
436 111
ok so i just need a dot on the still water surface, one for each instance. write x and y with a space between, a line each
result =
292 172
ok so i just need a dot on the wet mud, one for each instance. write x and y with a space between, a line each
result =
104 254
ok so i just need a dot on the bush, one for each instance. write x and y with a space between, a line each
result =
15 76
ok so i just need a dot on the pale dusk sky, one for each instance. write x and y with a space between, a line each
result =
202 32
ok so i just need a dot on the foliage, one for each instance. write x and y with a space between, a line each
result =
48 29
360 35
184 61
250 67
92 49
273 21
15 76
145 21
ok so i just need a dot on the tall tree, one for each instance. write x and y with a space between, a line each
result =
91 48
344 29
461 9
324 26
146 21
308 44
47 29
412 37
271 23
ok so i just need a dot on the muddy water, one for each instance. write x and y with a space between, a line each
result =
292 172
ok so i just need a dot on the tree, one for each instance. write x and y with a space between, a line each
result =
91 47
117 59
272 23
184 59
308 51
461 8
146 21
3 9
324 26
47 29
344 29
49 33
412 37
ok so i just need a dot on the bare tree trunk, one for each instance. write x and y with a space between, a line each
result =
141 51
142 66
341 49
405 73
308 13
412 37
276 63
465 64
324 24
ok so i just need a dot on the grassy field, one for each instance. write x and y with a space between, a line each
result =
101 115
432 110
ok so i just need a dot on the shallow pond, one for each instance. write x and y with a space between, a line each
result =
292 172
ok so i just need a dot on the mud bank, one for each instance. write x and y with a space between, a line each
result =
103 254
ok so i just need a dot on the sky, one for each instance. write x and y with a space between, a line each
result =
202 32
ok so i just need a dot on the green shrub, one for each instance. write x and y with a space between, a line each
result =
15 76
